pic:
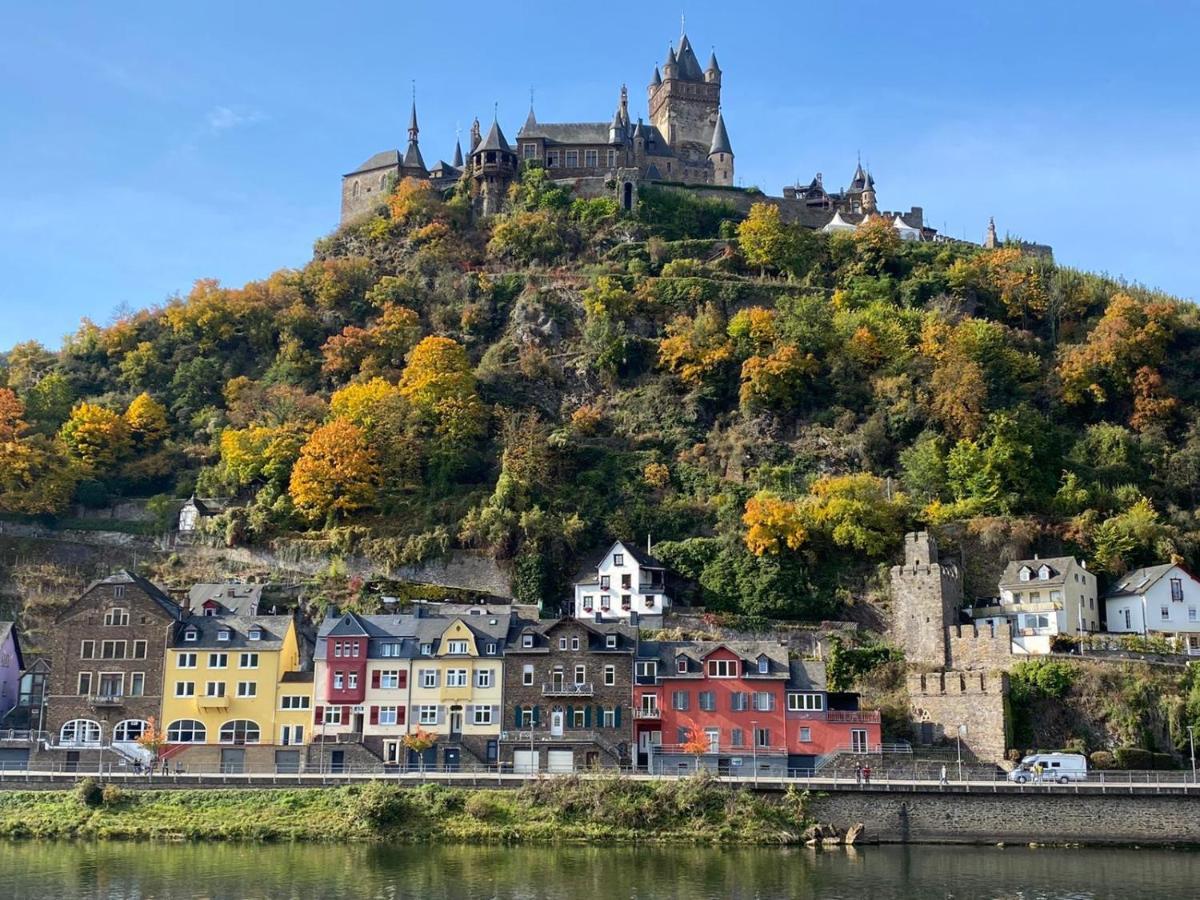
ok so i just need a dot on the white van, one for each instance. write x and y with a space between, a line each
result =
1056 767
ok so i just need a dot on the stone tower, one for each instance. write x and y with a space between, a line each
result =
684 105
926 596
493 168
720 154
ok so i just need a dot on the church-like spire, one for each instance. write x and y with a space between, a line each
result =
413 129
657 80
412 155
720 138
458 157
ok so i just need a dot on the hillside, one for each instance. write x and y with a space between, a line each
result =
773 406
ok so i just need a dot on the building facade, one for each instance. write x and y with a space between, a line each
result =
567 695
107 654
1162 600
226 702
11 667
624 582
820 723
1041 599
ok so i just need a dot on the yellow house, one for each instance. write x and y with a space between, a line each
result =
456 684
234 695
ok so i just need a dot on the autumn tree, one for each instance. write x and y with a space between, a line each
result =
773 524
260 454
373 351
697 349
419 741
152 739
146 420
96 438
764 239
696 745
35 476
857 512
440 385
778 380
336 474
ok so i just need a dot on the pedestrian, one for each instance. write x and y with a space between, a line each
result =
858 774
866 774
942 777
166 767
1037 773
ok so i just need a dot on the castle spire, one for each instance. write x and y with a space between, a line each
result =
720 138
458 157
412 155
413 130
475 135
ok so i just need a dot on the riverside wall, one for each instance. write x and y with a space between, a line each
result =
970 818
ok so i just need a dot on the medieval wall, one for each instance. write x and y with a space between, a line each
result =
943 701
926 596
973 647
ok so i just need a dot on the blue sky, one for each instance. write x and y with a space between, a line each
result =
146 145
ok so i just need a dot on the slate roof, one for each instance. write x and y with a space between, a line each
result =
495 140
9 628
412 157
599 630
304 677
1139 581
712 62
806 675
274 630
383 160
239 599
411 630
720 140
567 132
458 157
588 571
1058 572
668 652
157 594
689 66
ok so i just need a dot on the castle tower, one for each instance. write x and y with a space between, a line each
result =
991 242
926 596
475 137
869 204
493 167
713 73
720 154
684 109
413 166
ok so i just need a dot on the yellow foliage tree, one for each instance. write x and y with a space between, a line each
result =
696 349
360 403
776 381
337 472
856 511
440 385
35 477
96 438
765 240
772 524
147 421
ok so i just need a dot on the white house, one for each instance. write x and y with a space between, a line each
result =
625 580
1162 600
1042 598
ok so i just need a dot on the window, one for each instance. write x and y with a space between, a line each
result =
527 675
575 643
427 715
528 150
85 684
294 702
427 649
683 735
457 648
129 730
80 731
456 678
387 715
389 649
491 649
562 643
806 735
355 648
572 159
580 674
218 660
737 737
210 611
214 689
247 689
551 159
605 602
112 684
647 669
482 715
764 665
608 718
248 661
626 601
527 640
389 680
588 602
762 737
112 649
679 700
605 582
612 158
333 715
254 634
1191 614
739 701
610 641
429 678
722 668
137 684
339 681
1177 590
618 559
337 649
87 649
119 591
626 581
578 718
590 158
351 680
610 674
1164 612
483 678
806 702
764 701
239 731
526 713
191 634
185 689
223 634
707 701
116 616
1024 574
186 731
681 664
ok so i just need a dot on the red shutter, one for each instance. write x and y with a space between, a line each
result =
400 713
374 715
345 715
403 682
375 678
319 715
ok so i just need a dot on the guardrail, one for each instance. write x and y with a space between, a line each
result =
564 689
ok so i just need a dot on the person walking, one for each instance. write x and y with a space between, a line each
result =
866 774
942 776
858 774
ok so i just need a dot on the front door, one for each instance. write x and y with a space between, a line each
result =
714 739
72 762
233 760
456 721
337 761
556 679
556 723
450 758
391 752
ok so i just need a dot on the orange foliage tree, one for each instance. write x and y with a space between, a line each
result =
337 472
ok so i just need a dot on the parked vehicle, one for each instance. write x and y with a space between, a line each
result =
1054 767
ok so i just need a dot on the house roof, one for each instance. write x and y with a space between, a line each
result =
412 157
495 140
689 66
567 132
1139 581
806 675
1058 566
588 571
385 159
155 593
234 597
598 630
720 140
668 652
304 677
9 629
274 630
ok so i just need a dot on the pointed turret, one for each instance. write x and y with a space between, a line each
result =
412 155
657 79
859 182
720 153
720 138
458 157
689 66
712 74
493 165
475 134
992 241
530 122
495 140
671 66
869 205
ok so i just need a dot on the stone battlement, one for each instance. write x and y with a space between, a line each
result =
975 647
956 682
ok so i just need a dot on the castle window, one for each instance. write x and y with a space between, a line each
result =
572 159
490 156
551 159
530 150
382 181
590 158
354 191
612 158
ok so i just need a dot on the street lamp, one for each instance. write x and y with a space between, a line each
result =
754 748
962 729
1192 740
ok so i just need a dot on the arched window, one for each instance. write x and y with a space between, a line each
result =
186 731
129 730
354 190
80 731
382 182
240 731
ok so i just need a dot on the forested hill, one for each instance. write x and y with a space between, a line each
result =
775 407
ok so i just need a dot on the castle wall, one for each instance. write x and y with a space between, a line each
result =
925 600
363 191
942 701
973 647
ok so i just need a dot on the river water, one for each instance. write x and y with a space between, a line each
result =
129 871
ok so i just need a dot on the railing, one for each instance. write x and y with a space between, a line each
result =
563 689
847 717
655 713
221 702
106 700
720 749
544 737
23 735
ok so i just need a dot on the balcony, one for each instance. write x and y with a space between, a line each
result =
843 717
562 689
106 701
650 714
722 750
221 702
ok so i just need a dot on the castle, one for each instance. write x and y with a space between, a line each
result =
684 145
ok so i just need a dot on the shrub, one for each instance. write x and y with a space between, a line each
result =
113 795
380 804
1134 758
89 792
482 807
1102 759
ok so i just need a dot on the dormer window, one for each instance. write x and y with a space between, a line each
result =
527 640
191 635
1044 573
255 634
457 648
764 665
210 611
427 649
1024 574
610 641
681 664
491 649
223 634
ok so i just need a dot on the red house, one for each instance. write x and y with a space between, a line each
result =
732 695
340 693
820 722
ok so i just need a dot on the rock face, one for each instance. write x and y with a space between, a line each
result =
854 833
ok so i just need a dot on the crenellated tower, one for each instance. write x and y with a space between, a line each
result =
685 103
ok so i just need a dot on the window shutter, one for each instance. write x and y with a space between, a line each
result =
375 676
345 715
441 715
467 713
537 715
517 716
319 715
400 715
496 714
587 717
374 715
570 723
403 682
617 715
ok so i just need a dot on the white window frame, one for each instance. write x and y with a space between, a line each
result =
247 689
427 714
481 715
248 661
218 660
483 678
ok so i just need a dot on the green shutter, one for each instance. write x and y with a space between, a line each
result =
570 723
587 717
617 716
517 716
537 715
